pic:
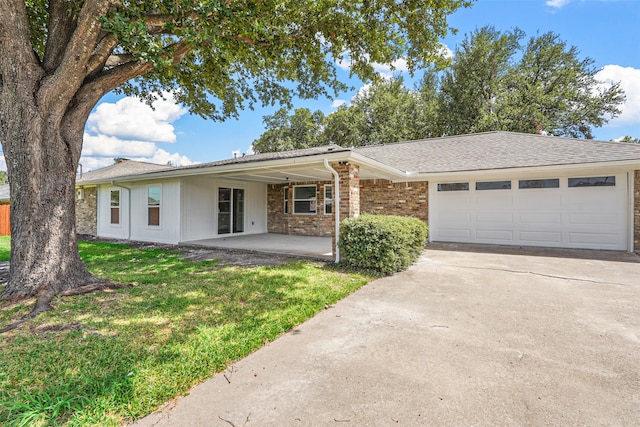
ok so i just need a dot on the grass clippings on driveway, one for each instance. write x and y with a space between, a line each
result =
108 358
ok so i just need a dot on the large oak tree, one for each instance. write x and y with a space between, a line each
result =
59 57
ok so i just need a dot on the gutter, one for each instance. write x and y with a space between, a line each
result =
336 205
128 207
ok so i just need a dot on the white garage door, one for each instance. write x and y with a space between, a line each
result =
569 212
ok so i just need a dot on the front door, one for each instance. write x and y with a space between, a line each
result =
230 210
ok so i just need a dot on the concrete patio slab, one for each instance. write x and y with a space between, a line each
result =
310 246
463 338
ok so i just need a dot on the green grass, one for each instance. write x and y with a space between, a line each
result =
5 248
111 357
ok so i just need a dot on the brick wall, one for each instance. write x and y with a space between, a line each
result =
87 211
636 211
317 224
379 196
367 196
349 175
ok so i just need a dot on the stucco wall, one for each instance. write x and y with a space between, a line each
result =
379 196
86 212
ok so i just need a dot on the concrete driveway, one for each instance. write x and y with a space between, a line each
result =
469 336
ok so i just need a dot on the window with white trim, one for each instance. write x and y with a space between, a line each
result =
286 199
305 199
154 195
328 199
114 202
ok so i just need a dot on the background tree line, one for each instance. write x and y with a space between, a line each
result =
495 81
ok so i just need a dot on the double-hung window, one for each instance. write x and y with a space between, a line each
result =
286 199
328 199
154 194
114 202
304 199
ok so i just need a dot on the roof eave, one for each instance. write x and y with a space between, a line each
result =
344 155
622 165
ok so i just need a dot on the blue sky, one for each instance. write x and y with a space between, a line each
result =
605 30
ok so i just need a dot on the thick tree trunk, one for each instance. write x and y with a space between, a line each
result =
42 154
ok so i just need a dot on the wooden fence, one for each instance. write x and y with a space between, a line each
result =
5 220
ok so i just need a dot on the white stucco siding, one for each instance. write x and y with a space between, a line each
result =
105 227
200 207
168 230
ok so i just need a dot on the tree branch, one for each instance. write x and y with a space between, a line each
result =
101 53
60 28
73 67
14 39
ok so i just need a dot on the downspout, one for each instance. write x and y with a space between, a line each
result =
336 197
128 207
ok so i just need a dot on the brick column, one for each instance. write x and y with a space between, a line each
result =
349 175
636 211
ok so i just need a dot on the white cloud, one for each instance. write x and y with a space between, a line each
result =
129 118
337 103
104 145
3 163
131 129
445 52
163 157
557 3
629 79
399 65
363 91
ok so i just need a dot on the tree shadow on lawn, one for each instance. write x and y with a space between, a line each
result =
133 349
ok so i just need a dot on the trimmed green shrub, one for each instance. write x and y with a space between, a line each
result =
385 243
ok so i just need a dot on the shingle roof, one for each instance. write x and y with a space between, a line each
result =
124 167
496 150
303 152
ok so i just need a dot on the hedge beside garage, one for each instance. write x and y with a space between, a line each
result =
386 243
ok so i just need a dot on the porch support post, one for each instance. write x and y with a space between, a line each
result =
636 210
347 192
336 211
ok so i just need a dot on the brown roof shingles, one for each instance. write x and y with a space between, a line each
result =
496 150
122 168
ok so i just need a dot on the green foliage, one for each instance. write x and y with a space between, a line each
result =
385 112
107 358
241 53
472 83
4 178
385 243
548 89
289 132
630 139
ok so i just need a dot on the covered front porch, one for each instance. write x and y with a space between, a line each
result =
306 246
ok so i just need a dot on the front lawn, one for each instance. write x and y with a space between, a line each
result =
5 248
111 357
